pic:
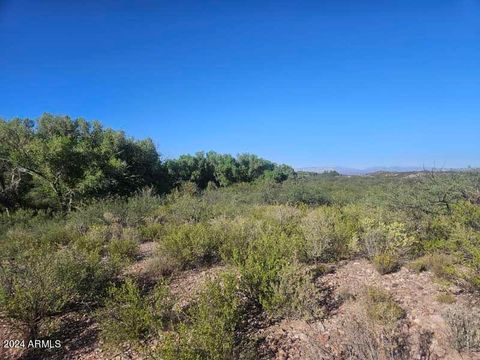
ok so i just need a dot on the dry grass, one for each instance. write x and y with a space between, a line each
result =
465 327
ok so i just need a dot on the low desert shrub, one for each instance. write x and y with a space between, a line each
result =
185 208
379 237
441 265
124 248
296 293
236 235
386 263
209 330
38 285
328 233
130 211
94 241
130 317
381 307
265 258
56 233
362 340
23 218
151 231
16 241
188 245
446 298
465 327
282 217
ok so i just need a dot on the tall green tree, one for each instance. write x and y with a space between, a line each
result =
68 160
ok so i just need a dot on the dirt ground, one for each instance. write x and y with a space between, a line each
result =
424 325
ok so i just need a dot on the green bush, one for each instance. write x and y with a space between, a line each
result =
441 265
328 234
382 239
38 285
188 245
151 231
296 295
132 211
124 248
209 330
55 233
17 241
265 258
386 263
94 240
130 317
381 307
91 273
282 217
236 235
23 218
186 208
465 327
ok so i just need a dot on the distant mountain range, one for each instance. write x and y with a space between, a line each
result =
369 170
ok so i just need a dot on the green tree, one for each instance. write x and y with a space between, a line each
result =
69 160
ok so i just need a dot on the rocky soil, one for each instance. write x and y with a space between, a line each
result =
423 330
424 327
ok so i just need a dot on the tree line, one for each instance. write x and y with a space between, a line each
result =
56 162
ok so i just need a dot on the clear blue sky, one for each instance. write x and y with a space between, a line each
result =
351 83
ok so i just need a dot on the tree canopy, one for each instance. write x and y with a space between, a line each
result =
56 162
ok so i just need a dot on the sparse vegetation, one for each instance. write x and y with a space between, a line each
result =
66 245
381 307
465 326
446 298
129 317
364 340
208 331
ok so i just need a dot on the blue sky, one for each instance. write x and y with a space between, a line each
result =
308 83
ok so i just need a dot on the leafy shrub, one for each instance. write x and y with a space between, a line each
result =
94 240
188 245
132 211
465 326
140 206
236 235
284 217
468 252
381 238
16 241
37 285
91 273
209 331
55 233
467 213
446 298
296 294
381 307
442 265
129 317
328 233
186 209
385 263
362 340
23 218
124 248
261 268
295 193
151 231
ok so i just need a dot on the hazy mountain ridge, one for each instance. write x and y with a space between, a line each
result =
369 170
